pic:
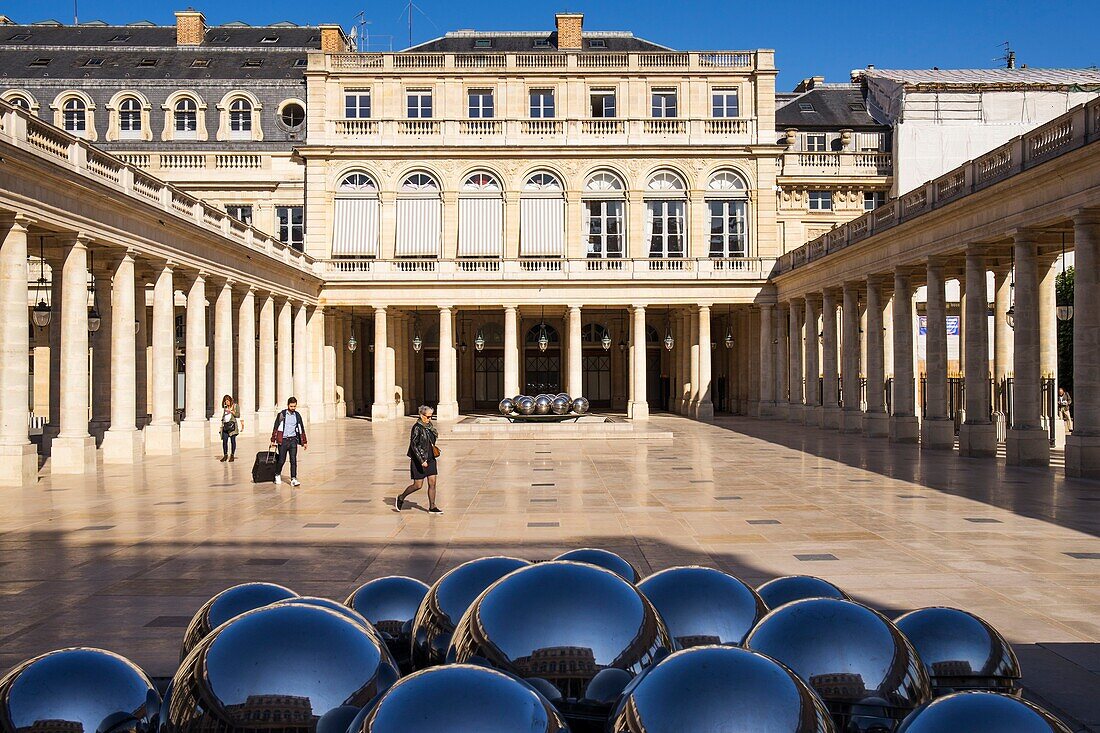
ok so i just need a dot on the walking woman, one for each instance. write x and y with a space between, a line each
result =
231 428
422 454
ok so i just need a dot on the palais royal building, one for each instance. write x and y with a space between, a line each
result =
478 216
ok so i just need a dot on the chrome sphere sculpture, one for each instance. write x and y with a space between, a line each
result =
542 405
981 712
297 662
506 406
717 688
525 405
607 686
796 588
459 698
78 689
336 606
560 405
603 559
564 395
580 405
864 669
227 604
447 600
961 651
390 604
703 605
537 620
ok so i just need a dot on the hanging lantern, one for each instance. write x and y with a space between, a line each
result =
544 340
94 320
41 314
1064 312
669 341
462 346
352 343
605 342
729 339
418 344
479 341
1010 316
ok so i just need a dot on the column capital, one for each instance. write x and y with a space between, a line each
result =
573 307
511 307
17 220
447 308
638 307
1086 217
376 308
1021 234
707 306
814 298
875 279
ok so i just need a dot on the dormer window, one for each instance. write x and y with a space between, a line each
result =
806 107
200 63
120 38
20 37
147 63
542 43
857 107
40 62
94 62
269 39
300 63
221 38
252 63
597 43
483 43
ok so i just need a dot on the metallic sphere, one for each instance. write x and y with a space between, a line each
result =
864 669
78 690
721 689
292 663
981 712
580 405
332 605
602 559
703 606
390 604
227 604
562 621
460 698
796 588
961 651
542 405
506 406
560 405
608 685
525 405
447 600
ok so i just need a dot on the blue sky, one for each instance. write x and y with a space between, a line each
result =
810 38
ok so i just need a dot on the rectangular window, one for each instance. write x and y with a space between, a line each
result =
873 199
603 103
240 212
665 228
357 104
483 43
727 228
480 104
815 142
419 104
605 227
821 200
723 103
663 103
129 121
542 104
291 221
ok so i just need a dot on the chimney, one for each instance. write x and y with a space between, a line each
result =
190 28
333 39
807 84
570 26
1011 60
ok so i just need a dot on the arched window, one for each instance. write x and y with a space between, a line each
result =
355 217
185 122
727 207
74 116
20 101
652 337
592 334
419 216
493 333
240 119
533 334
665 207
129 119
603 205
542 216
480 217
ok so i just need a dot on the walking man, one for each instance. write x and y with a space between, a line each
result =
288 433
1064 411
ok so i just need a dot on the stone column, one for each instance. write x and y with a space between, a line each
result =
830 389
223 355
315 342
246 362
1083 444
448 404
194 430
767 361
812 391
694 354
1048 340
683 359
73 449
285 357
511 351
142 350
18 457
1027 443
977 436
794 346
328 365
904 427
1002 336
638 409
267 405
122 441
380 410
302 358
101 340
876 422
162 434
704 409
851 417
937 430
574 375
782 361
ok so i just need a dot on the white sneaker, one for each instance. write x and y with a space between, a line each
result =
295 482
278 479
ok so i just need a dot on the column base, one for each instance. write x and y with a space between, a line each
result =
782 409
978 440
811 416
248 424
265 420
637 410
830 418
794 413
937 434
767 409
73 455
330 411
1083 455
904 429
851 421
1027 447
704 412
754 407
379 412
98 428
876 424
194 434
445 411
162 440
122 446
18 465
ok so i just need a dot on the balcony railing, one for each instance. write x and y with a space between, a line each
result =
196 161
738 61
837 163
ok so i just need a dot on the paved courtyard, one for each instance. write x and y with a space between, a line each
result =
122 561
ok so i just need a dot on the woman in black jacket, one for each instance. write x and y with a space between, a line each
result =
422 454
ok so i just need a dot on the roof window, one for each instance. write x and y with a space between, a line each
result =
41 61
300 63
597 43
20 37
94 62
542 43
483 43
120 38
806 107
252 63
200 63
220 38
147 62
269 39
857 107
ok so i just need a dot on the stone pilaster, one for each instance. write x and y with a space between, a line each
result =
18 457
73 449
904 427
1027 443
122 443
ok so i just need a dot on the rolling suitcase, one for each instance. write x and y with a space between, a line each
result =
263 470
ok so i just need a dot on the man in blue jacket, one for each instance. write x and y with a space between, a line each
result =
288 433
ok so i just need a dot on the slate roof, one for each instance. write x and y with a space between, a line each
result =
525 42
235 36
993 77
834 106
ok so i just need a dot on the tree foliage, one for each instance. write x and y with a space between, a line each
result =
1063 284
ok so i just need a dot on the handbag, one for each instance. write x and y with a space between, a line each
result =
435 450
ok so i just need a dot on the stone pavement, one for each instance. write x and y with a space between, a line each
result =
123 559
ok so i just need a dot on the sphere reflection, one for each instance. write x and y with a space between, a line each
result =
560 405
332 605
703 606
796 588
447 600
981 712
603 559
78 690
227 604
580 405
716 688
390 604
542 405
525 405
506 406
286 663
462 698
961 651
864 669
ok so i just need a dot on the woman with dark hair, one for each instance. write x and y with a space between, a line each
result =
231 427
422 454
